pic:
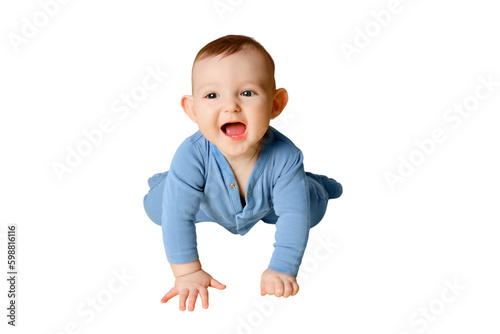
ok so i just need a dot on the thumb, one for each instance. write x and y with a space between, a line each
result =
216 284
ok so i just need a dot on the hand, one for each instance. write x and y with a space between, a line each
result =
191 285
279 284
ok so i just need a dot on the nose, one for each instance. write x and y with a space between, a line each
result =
232 106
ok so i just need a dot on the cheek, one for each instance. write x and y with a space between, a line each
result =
205 111
263 112
259 106
209 122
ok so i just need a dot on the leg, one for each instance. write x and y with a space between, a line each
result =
332 187
321 189
153 200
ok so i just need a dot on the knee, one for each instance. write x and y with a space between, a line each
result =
318 202
337 192
317 213
156 179
153 211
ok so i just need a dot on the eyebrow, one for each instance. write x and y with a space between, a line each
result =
255 83
205 85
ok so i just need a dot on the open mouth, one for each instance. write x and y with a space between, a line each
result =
234 130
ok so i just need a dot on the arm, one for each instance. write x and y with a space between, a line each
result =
291 204
181 201
182 197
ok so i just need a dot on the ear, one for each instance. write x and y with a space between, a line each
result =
188 106
279 102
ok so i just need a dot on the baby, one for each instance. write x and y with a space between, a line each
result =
236 170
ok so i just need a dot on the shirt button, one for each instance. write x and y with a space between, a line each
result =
233 185
248 194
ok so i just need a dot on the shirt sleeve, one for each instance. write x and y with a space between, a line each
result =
291 205
181 201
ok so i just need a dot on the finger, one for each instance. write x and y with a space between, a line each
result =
263 291
269 287
172 293
182 300
295 287
288 289
192 300
278 287
216 284
204 298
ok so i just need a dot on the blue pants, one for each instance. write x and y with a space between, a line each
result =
321 189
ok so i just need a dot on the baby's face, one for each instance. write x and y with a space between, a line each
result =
232 101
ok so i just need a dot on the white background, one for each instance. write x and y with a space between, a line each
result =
397 248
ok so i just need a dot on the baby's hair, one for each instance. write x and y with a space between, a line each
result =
230 44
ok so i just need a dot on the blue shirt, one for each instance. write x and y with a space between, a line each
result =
201 186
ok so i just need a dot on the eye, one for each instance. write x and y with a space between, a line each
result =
248 93
211 95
